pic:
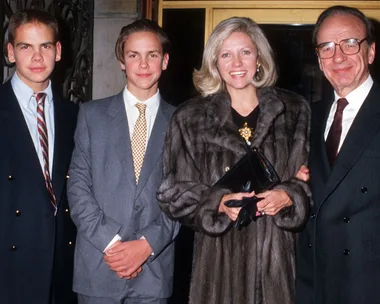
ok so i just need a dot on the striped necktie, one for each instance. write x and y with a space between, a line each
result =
44 142
138 143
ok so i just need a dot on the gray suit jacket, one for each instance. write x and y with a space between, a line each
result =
105 200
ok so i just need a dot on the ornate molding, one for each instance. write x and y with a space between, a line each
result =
77 38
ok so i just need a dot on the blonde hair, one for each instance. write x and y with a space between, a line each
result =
208 81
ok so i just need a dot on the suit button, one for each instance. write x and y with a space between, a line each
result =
67 176
227 169
309 245
14 248
10 178
18 213
70 243
364 190
346 219
67 210
346 252
312 216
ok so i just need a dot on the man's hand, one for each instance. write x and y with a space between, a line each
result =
132 276
303 173
126 258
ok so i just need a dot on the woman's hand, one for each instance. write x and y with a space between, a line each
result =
233 212
273 201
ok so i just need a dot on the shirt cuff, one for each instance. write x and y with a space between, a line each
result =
143 238
113 241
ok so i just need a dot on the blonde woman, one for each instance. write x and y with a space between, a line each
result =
239 108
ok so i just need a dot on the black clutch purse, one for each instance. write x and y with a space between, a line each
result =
251 173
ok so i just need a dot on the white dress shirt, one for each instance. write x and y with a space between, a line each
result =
355 100
152 105
26 98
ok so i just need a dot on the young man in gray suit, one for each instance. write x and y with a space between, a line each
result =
125 250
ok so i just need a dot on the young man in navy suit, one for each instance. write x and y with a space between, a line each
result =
125 250
36 135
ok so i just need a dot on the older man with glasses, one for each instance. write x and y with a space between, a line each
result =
338 258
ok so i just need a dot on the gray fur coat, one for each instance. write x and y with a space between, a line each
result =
257 264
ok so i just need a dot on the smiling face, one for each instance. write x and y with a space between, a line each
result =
144 62
34 52
237 61
345 72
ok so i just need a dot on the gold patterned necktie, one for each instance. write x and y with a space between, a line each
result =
44 142
139 141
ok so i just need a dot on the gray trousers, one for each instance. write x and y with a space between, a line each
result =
131 298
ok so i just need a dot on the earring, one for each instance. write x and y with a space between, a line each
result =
258 76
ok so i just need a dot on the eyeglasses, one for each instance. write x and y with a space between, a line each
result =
350 46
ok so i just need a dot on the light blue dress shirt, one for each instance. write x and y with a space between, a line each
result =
28 104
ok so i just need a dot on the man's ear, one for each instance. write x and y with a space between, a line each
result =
11 54
320 64
58 51
122 66
371 53
165 61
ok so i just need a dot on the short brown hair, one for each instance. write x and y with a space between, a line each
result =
31 16
141 25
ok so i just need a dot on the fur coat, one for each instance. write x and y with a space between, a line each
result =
257 264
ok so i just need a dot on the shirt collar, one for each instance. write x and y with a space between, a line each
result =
357 96
24 93
152 103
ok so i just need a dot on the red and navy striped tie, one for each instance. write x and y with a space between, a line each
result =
43 138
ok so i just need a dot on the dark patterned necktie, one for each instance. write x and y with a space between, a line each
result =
333 138
43 139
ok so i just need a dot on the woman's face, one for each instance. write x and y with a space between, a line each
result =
237 61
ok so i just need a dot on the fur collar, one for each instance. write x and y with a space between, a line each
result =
219 118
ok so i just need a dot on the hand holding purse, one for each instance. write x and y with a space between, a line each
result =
253 172
247 213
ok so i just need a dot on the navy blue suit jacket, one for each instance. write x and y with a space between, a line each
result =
338 260
36 248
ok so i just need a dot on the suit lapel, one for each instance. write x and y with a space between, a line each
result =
155 145
120 138
364 127
22 146
319 144
63 144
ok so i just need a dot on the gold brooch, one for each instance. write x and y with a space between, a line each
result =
246 132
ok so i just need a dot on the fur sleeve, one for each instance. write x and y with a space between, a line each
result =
294 217
182 195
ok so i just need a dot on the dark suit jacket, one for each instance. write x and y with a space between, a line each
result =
36 248
338 257
106 201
